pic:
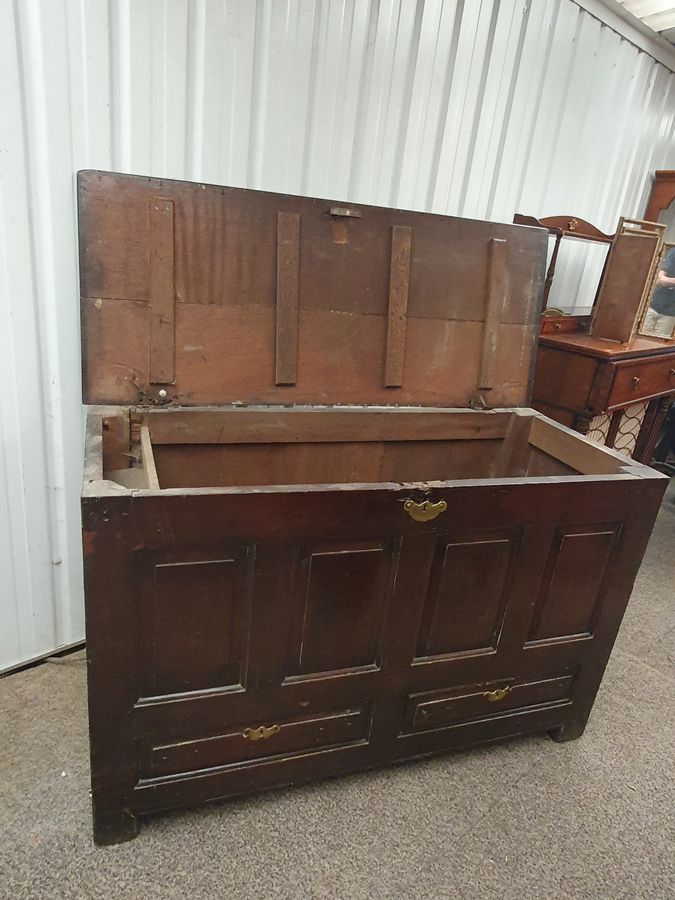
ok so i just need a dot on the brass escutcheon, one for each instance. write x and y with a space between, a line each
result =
261 733
499 694
425 511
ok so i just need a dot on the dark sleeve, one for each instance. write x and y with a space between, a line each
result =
669 263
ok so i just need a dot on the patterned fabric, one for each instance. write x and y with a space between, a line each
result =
629 428
599 428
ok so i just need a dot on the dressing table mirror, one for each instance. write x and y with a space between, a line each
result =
658 319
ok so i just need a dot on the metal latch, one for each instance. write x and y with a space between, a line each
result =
344 212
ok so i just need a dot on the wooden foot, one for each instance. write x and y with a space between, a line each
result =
114 827
569 732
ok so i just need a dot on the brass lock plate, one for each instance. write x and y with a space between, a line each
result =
424 511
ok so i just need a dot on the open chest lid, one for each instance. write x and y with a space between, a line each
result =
196 294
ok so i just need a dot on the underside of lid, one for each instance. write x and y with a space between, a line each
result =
203 295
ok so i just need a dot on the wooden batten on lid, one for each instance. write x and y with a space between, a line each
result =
203 295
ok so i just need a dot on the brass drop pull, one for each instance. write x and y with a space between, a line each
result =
425 511
499 694
261 733
636 381
672 373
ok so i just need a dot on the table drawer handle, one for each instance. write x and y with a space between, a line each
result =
261 733
671 374
499 694
425 511
636 381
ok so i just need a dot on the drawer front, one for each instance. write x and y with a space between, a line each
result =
253 741
638 381
441 709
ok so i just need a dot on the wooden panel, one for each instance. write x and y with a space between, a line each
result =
571 588
162 292
340 601
562 378
341 358
496 296
541 464
466 594
627 273
441 709
300 734
642 380
148 461
288 258
210 465
399 283
298 424
193 620
572 450
227 288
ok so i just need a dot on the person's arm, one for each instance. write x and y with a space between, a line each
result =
662 278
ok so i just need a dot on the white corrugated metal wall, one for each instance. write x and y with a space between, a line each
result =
472 107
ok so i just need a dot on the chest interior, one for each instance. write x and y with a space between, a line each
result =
202 448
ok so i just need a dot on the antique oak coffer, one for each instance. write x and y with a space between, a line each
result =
322 533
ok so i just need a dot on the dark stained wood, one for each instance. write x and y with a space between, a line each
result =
308 592
346 726
577 563
465 602
162 292
147 753
439 709
397 312
341 594
193 615
288 260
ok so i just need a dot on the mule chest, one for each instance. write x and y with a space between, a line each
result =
322 530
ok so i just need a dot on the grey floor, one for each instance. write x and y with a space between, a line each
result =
530 819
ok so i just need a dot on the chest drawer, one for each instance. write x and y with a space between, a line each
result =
440 709
641 380
250 742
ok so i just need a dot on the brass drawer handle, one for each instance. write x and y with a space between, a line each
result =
671 374
499 694
425 511
636 381
261 733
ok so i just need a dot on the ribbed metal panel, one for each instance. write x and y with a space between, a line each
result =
477 108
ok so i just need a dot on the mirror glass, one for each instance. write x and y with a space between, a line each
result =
659 315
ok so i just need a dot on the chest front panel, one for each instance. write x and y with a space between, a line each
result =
379 644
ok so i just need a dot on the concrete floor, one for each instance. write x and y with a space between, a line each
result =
530 819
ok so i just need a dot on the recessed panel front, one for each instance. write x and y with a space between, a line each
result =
193 615
340 600
466 594
571 590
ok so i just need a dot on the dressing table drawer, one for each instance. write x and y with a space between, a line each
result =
641 380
